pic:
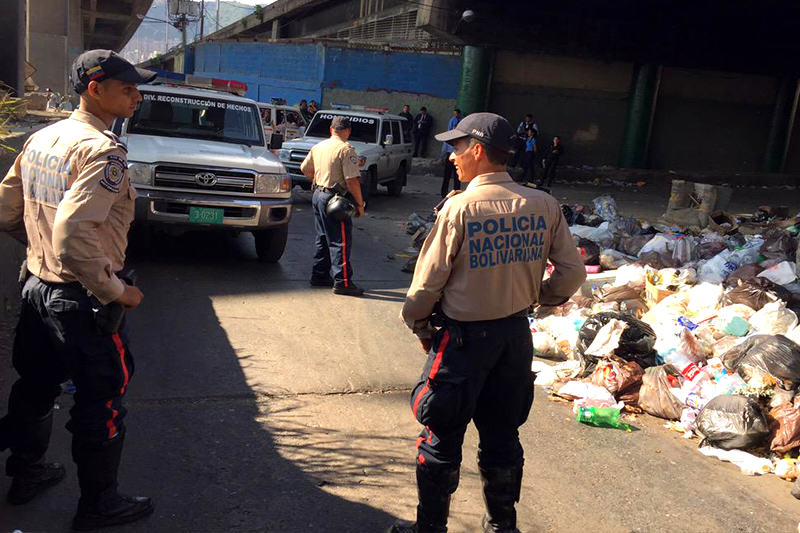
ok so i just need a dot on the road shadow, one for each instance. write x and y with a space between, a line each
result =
200 441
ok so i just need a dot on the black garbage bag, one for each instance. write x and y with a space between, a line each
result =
756 293
635 344
778 244
590 252
774 355
733 423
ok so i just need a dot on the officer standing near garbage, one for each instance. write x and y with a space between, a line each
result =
477 275
332 167
69 198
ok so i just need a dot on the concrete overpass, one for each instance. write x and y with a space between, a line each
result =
49 34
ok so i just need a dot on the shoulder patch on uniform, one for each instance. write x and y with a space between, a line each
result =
353 158
113 173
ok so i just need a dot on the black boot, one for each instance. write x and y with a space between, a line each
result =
501 488
100 504
31 475
434 488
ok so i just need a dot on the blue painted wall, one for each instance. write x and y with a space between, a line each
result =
412 72
297 71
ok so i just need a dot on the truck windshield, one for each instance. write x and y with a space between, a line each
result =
364 129
197 117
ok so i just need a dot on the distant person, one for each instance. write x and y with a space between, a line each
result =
447 149
303 106
409 121
529 158
312 107
552 157
524 127
422 130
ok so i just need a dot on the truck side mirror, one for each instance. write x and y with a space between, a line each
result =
389 140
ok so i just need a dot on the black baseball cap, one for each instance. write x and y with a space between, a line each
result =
341 123
99 65
488 128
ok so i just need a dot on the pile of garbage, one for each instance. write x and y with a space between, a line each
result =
698 326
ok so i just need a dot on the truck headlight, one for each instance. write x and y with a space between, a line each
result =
140 173
273 183
283 154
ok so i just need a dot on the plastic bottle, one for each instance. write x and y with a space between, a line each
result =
601 417
693 374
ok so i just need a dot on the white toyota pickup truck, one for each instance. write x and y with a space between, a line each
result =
199 160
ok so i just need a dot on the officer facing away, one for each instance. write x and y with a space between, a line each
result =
332 167
478 272
69 198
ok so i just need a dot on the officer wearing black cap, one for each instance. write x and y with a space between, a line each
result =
69 198
332 167
478 273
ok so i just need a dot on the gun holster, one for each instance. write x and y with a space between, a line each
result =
108 318
440 320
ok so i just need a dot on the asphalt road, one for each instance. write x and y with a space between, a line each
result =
261 404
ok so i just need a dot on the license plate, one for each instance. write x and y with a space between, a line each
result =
205 215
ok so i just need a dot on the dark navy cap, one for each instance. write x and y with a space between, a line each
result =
341 123
488 128
99 65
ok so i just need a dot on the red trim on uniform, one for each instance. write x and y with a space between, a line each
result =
420 440
437 362
121 352
344 256
439 353
419 398
112 428
421 459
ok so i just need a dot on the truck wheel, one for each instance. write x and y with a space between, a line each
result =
395 187
270 243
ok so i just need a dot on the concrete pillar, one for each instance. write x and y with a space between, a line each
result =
782 116
276 29
641 109
476 73
48 42
12 60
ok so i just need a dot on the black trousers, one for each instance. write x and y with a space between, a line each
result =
334 242
549 174
486 379
420 144
448 174
56 339
528 167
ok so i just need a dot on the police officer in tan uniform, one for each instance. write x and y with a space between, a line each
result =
69 198
332 166
478 273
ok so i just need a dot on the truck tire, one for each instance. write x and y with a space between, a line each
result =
270 243
395 187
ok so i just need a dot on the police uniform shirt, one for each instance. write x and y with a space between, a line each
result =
487 253
332 162
70 188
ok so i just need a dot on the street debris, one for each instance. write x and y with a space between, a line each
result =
697 323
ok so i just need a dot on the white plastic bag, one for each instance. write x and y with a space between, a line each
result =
607 339
748 463
783 273
660 244
581 389
718 268
601 234
544 345
774 319
633 274
704 299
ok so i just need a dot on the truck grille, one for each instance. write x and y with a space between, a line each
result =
298 155
185 178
